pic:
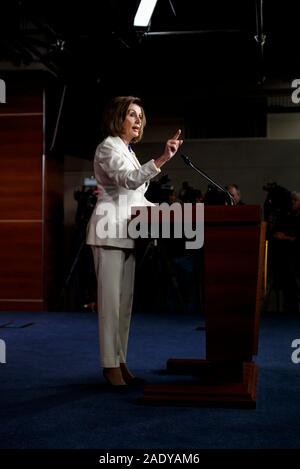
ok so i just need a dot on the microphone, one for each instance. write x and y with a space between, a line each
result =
187 161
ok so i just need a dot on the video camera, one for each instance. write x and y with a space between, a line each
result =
86 199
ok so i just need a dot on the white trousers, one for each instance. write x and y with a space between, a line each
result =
115 269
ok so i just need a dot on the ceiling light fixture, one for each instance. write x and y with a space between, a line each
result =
144 13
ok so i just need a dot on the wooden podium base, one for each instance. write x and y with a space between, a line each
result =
219 385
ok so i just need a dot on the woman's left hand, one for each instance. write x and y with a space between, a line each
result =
171 148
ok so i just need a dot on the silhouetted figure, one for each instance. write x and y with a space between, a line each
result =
85 288
186 193
285 254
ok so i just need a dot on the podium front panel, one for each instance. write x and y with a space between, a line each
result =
231 262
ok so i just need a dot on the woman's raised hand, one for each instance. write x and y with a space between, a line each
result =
171 148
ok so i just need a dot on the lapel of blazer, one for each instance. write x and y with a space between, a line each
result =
130 156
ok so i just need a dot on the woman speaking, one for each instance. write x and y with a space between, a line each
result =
120 178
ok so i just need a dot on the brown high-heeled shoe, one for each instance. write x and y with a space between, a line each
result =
114 382
129 378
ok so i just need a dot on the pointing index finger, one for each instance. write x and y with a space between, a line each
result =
176 135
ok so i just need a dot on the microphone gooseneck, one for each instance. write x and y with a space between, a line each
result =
187 161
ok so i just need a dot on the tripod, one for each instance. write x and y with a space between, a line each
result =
75 262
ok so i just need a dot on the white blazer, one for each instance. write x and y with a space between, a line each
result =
118 173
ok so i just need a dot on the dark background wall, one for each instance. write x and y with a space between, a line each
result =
221 71
30 199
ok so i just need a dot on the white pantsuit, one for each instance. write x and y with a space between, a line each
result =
118 173
115 273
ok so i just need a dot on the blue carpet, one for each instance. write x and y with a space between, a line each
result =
53 394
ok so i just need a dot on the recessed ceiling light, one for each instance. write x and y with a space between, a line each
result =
144 12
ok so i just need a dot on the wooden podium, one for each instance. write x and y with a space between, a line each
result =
234 245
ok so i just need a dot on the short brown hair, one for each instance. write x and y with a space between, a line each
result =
115 114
